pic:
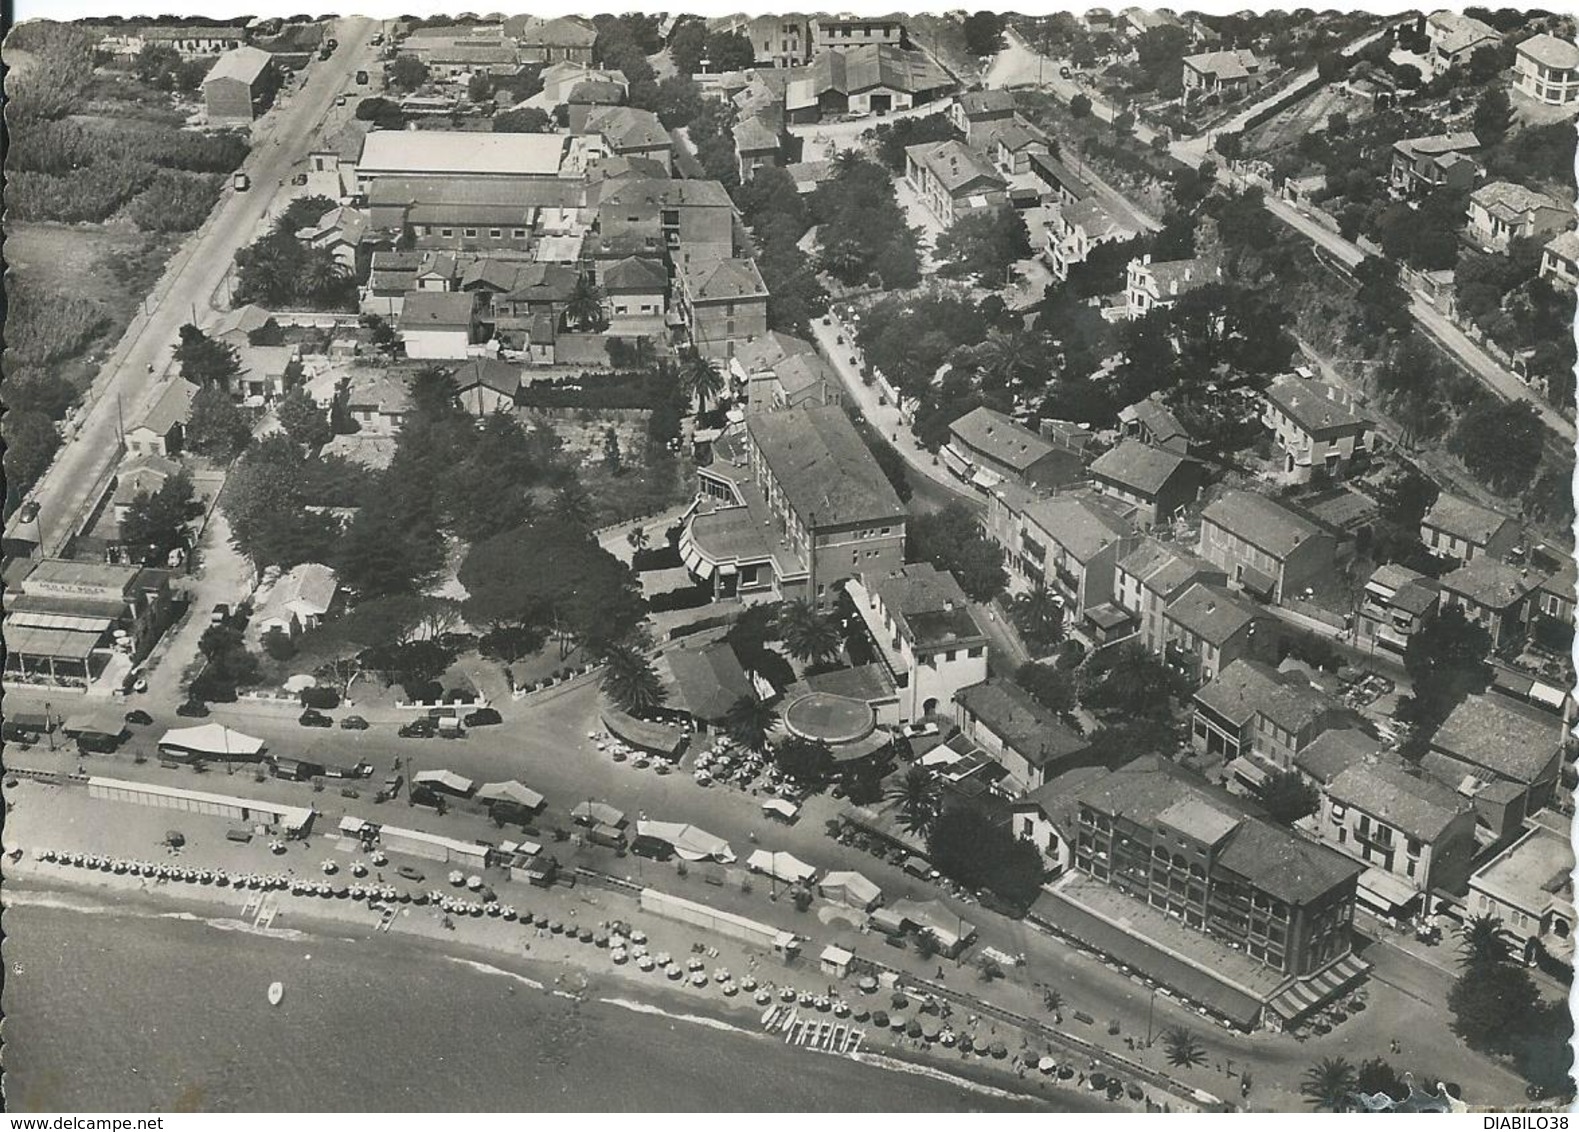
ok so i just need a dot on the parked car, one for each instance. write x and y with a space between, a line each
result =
917 730
482 717
340 100
312 717
219 614
419 728
192 709
353 723
1063 72
139 717
411 874
392 784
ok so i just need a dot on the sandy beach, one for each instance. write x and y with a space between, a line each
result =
532 960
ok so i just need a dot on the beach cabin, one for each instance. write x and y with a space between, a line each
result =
835 961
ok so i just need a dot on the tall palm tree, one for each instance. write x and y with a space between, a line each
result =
320 273
702 380
920 800
630 680
588 305
1182 1048
749 721
1007 356
809 635
1328 1083
1484 942
638 539
571 503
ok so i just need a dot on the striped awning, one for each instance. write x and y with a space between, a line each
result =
692 556
954 461
1321 988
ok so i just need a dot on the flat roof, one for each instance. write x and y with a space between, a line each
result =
461 152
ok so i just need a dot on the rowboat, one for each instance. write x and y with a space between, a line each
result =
276 993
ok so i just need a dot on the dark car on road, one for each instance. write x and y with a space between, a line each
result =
139 717
482 717
192 709
409 873
312 717
419 728
353 723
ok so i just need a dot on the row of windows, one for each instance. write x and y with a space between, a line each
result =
471 233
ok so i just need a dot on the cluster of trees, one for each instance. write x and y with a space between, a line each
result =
1501 443
1505 296
278 270
227 665
889 140
952 539
623 44
163 68
984 245
709 127
984 33
779 218
1446 661
156 521
861 231
1497 1008
691 43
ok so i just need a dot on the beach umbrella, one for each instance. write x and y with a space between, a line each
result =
507 912
494 909
540 920
695 964
341 892
966 1042
931 1028
586 935
699 979
358 892
474 882
899 1001
1046 1065
664 958
787 994
358 869
330 868
638 936
475 909
946 1037
457 877
676 973
868 984
898 1022
748 984
730 989
618 955
721 975
880 1019
913 1028
999 1050
380 859
763 997
556 927
861 1014
419 897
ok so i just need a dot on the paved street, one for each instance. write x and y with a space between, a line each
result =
123 389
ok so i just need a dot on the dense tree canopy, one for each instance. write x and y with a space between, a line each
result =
979 853
952 540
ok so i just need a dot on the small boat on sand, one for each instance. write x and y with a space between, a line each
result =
276 992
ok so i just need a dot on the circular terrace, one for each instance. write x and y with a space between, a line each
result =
829 719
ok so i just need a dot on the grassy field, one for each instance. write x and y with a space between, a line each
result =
111 266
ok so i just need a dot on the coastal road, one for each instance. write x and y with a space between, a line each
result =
71 486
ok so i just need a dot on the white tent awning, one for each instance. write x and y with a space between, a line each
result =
211 739
782 866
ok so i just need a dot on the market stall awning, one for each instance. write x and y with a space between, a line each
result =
443 780
52 644
598 813
1384 890
105 721
781 866
688 841
210 739
510 791
851 888
781 807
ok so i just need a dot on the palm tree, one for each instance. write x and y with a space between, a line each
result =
1328 1083
571 503
1182 1048
920 800
320 274
809 635
1484 943
1006 356
1052 1001
749 721
638 539
630 680
702 380
587 307
844 260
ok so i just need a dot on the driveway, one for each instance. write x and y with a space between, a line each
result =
124 387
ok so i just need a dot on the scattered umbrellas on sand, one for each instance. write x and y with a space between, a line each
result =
1047 1065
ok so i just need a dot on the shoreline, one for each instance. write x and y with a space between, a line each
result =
569 976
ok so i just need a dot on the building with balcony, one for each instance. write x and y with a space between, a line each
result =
67 624
1228 73
1152 422
1501 755
1529 887
1049 816
1008 725
1393 606
693 221
1493 595
975 109
1150 577
1076 229
722 304
792 505
954 180
1208 627
1547 69
926 633
1501 212
1440 160
1196 855
1251 710
1069 543
1159 285
1264 547
987 447
1157 483
1318 431
1412 833
1458 530
1454 38
1560 260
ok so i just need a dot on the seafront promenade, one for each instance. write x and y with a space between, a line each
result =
63 819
